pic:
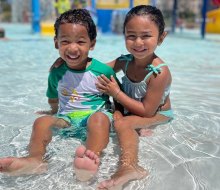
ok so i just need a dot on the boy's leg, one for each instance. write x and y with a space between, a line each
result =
33 163
128 168
86 160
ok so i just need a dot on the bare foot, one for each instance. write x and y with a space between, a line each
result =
123 176
86 163
22 166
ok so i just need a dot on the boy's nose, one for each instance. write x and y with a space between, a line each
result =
73 47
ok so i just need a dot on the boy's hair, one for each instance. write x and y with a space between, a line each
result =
146 10
77 16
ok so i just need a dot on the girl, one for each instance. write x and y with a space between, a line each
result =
145 88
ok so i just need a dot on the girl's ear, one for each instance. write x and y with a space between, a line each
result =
161 38
93 42
55 42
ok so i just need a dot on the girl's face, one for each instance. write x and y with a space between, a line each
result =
141 37
74 44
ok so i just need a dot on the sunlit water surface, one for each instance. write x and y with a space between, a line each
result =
182 155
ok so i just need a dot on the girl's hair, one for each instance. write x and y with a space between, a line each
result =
77 16
146 10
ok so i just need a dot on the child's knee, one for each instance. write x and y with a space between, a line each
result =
98 121
43 121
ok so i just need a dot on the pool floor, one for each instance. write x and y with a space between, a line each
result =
181 155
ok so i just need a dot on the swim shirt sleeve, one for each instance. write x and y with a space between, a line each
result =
101 68
52 86
55 75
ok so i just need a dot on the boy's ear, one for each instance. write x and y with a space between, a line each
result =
93 42
55 43
161 38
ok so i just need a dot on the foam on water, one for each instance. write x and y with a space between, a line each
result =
181 155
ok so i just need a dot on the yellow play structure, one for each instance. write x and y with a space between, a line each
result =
47 28
213 21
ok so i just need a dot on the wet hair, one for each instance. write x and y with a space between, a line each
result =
77 16
146 10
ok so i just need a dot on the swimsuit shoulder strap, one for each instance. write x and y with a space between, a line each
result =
128 58
152 69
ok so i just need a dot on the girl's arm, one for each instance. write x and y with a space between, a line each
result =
116 64
59 61
148 107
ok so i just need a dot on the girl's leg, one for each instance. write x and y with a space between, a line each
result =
86 160
128 139
33 163
144 125
137 122
128 168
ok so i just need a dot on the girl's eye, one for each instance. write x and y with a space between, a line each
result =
145 36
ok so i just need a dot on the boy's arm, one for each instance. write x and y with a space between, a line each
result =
53 102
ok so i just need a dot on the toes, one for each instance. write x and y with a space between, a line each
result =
106 184
80 151
92 156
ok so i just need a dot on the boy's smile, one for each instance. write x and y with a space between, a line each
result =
74 44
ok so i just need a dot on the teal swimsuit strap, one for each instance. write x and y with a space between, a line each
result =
127 58
152 69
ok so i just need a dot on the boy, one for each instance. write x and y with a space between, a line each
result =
73 96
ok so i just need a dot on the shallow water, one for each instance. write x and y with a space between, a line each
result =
182 155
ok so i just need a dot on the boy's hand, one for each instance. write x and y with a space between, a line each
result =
107 86
45 112
57 63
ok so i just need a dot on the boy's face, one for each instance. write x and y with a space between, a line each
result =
74 44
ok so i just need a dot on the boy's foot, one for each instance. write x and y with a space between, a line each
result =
22 166
86 163
123 176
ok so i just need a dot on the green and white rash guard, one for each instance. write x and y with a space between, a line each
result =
76 90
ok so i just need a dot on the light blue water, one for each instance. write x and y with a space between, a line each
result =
182 155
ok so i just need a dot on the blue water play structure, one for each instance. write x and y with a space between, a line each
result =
104 15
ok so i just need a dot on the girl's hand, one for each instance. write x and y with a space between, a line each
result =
108 86
57 63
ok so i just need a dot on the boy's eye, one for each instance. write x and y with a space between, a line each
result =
81 42
130 37
64 42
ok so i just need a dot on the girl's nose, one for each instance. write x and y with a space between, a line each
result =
138 41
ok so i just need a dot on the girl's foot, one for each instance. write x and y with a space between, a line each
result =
123 176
